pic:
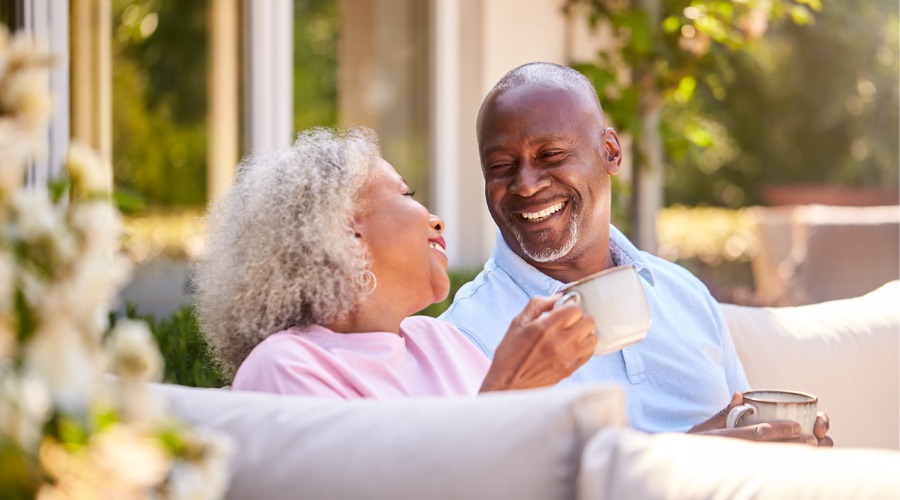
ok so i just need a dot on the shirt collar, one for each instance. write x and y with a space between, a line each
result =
534 282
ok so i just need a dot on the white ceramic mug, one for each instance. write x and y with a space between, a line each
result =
616 300
770 405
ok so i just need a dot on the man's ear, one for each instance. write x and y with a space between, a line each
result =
613 151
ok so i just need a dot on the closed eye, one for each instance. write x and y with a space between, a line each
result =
553 154
410 193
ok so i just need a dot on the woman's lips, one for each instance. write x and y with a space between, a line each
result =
438 244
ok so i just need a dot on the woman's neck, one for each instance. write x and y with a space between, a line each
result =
371 315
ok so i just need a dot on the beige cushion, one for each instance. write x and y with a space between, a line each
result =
522 444
845 351
623 464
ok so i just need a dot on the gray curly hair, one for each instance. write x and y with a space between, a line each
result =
280 250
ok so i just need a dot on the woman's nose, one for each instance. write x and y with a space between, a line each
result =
437 223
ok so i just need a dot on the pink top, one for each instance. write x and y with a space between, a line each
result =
432 358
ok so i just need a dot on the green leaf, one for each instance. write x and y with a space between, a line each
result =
128 201
671 24
685 90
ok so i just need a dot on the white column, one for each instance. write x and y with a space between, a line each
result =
48 22
445 162
90 105
269 73
222 100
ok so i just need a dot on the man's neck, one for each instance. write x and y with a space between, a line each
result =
589 262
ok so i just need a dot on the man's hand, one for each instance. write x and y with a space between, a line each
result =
779 431
542 346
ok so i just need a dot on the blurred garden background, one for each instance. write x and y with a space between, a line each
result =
757 105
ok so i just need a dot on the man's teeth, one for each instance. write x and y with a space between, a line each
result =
436 247
543 214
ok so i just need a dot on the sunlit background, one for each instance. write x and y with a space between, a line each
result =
738 117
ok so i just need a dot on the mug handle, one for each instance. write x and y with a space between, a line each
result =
573 297
736 413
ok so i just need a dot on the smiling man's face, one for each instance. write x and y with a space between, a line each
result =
547 158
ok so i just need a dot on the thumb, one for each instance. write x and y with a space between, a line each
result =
717 421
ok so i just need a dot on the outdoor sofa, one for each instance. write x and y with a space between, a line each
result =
567 443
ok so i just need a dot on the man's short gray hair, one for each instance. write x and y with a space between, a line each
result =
280 249
542 73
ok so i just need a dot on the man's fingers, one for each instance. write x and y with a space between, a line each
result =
781 430
563 317
826 442
823 423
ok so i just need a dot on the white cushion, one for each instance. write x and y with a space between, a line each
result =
625 464
518 444
845 351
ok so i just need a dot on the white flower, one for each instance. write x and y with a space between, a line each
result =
13 154
68 365
84 295
99 225
206 475
132 454
88 171
42 226
23 88
24 406
26 93
134 352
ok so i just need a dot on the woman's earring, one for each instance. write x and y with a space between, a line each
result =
369 281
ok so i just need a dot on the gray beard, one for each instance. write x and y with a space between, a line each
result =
546 255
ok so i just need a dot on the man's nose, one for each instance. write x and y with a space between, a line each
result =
529 180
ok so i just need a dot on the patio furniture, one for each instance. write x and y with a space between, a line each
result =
814 253
565 443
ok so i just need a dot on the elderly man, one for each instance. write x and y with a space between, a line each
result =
547 158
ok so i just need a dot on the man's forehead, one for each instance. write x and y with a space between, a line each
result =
530 94
548 111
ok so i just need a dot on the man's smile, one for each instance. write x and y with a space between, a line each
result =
544 213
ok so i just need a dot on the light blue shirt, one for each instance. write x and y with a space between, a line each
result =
680 375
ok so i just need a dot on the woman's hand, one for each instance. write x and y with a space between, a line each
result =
542 346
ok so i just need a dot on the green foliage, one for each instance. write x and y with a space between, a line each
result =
315 63
813 101
160 89
187 356
159 100
681 45
811 104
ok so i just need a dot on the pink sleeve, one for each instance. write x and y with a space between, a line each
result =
287 366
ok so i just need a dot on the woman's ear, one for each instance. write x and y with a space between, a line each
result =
613 151
355 226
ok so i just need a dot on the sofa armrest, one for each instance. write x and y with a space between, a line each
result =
844 351
517 444
625 464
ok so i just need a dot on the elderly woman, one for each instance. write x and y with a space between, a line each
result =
315 260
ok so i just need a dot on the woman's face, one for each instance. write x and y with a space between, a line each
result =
404 241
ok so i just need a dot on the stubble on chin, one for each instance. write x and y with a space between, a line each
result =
546 251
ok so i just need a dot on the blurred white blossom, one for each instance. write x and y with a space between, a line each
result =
204 471
76 434
134 352
88 170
